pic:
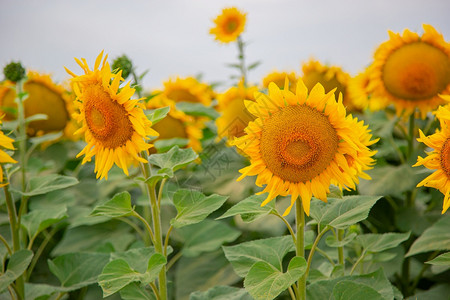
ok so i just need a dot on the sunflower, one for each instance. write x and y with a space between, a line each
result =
330 77
301 143
115 126
410 71
177 124
188 89
229 25
278 78
234 115
439 158
44 97
7 143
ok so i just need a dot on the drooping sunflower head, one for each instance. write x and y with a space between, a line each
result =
114 125
188 89
5 143
410 71
177 124
44 97
234 116
228 25
301 143
330 77
279 77
439 158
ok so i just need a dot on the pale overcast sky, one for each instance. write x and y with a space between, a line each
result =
171 37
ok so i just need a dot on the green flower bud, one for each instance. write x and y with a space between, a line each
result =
14 71
122 63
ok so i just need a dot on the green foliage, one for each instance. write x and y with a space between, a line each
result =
193 207
156 115
381 242
117 274
441 260
197 110
76 270
329 289
250 208
40 219
135 291
263 281
341 213
352 290
271 251
221 293
206 236
118 206
17 264
165 145
47 183
436 237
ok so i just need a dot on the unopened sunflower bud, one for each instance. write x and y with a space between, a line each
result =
14 71
122 63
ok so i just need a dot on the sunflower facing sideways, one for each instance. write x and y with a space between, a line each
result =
301 143
229 25
5 143
410 71
278 78
44 97
188 89
114 125
177 124
439 158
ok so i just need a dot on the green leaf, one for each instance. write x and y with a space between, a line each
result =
270 250
76 270
174 159
118 206
373 242
253 65
323 289
36 117
250 208
193 206
134 291
352 290
117 274
221 293
436 292
136 258
17 264
156 115
263 281
441 260
331 240
160 174
39 291
206 236
47 183
45 138
436 237
40 219
164 145
341 213
202 273
197 110
385 180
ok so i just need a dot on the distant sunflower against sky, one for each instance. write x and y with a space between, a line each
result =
228 25
410 71
302 156
115 126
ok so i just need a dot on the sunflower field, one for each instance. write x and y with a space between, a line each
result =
304 185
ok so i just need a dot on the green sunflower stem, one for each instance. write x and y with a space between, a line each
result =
411 135
241 56
156 217
300 245
340 237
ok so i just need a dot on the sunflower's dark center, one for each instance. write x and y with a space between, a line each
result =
170 127
231 25
106 119
182 95
416 71
445 157
298 143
